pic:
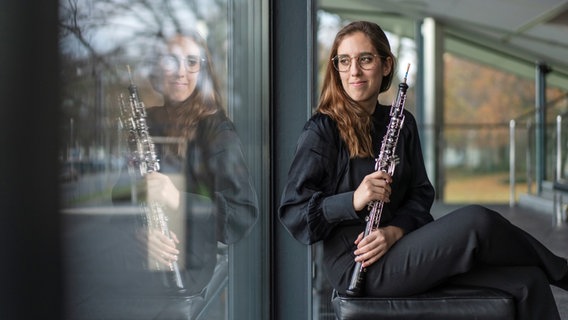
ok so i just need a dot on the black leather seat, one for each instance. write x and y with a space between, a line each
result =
447 303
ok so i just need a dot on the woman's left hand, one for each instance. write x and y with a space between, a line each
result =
376 244
160 188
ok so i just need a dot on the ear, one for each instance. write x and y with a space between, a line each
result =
387 66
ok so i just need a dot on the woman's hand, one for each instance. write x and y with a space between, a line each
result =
160 188
376 244
375 186
161 248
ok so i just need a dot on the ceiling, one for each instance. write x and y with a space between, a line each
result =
508 34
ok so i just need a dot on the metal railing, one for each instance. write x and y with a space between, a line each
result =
555 153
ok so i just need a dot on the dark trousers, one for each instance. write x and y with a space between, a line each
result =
473 246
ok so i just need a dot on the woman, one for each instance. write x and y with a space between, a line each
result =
203 186
120 269
215 197
332 179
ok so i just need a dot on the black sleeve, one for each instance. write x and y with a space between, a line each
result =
309 207
234 197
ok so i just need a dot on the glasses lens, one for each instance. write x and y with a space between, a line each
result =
367 61
192 63
342 63
169 63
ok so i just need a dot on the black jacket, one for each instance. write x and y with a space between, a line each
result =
317 200
218 201
216 175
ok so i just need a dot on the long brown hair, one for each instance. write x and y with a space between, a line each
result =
352 120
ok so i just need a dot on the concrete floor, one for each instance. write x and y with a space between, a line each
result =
541 226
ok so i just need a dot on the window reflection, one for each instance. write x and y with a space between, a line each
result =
119 263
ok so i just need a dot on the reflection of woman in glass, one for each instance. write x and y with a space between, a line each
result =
214 199
203 184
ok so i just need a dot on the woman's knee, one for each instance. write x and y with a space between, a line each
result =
476 216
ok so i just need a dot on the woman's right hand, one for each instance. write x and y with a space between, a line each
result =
375 245
162 248
375 186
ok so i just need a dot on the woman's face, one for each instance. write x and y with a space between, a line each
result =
363 86
180 67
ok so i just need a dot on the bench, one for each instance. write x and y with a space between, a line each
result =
447 302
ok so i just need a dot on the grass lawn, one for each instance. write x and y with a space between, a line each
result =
480 188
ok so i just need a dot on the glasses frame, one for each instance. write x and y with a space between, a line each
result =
335 61
179 60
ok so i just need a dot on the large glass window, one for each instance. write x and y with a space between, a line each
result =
480 103
162 159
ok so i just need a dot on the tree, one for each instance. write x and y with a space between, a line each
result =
98 38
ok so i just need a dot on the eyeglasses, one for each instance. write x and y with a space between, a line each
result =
171 63
365 61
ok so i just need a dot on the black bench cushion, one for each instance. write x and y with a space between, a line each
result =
448 303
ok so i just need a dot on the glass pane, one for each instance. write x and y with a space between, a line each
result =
479 102
477 135
157 187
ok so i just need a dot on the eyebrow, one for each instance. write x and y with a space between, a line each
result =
180 56
361 53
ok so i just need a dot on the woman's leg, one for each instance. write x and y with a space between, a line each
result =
529 286
465 239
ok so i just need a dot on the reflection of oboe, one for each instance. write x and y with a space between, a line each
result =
143 157
386 162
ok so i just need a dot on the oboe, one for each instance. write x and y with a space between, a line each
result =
143 158
386 162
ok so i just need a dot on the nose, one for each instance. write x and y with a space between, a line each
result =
181 69
354 68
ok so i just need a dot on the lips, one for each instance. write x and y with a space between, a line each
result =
181 84
358 83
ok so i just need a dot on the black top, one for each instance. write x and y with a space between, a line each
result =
218 202
317 200
215 170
